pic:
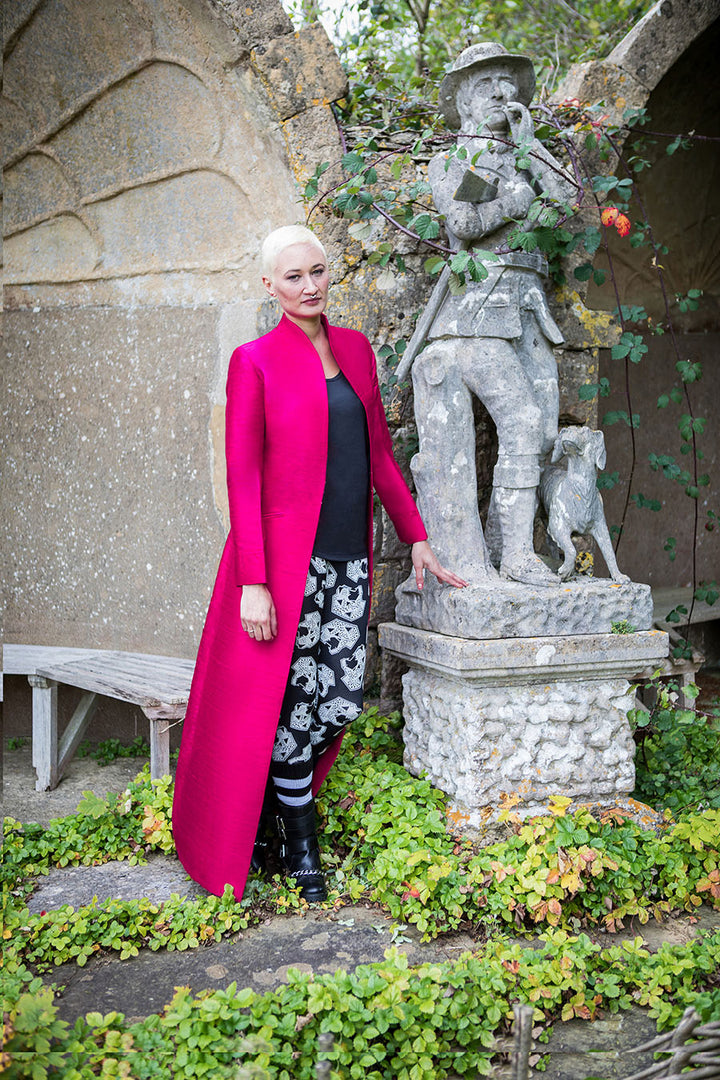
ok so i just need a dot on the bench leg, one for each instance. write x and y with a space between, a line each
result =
75 730
159 748
44 732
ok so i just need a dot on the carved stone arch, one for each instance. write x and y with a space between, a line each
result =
667 65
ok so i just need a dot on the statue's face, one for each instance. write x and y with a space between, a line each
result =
482 97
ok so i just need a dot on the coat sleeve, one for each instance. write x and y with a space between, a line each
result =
244 444
387 478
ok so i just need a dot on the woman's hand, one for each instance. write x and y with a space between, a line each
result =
257 612
424 558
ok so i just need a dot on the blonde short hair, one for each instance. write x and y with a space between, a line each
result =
285 237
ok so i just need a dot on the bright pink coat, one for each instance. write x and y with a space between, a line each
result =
276 449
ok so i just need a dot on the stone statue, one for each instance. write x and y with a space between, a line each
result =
572 500
494 339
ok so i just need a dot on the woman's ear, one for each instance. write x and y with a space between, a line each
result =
268 285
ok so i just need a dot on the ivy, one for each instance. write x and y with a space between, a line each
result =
428 1022
388 840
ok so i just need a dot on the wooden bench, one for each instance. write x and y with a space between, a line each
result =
160 685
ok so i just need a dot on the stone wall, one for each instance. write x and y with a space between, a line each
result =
149 146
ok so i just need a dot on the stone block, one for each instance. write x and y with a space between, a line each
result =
198 219
386 578
15 16
522 719
582 327
164 118
34 189
660 37
252 23
506 609
91 45
577 367
313 138
500 661
63 249
16 129
300 71
392 546
601 80
110 525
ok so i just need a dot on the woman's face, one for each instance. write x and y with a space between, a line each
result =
300 281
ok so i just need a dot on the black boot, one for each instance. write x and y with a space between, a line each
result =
265 831
299 851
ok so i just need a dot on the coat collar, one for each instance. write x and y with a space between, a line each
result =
342 350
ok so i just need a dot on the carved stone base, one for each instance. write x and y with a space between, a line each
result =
528 717
502 609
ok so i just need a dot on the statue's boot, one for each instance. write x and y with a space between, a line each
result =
515 508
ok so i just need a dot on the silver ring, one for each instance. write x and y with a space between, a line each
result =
251 633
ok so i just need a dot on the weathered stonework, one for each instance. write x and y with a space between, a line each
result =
147 151
523 718
502 609
300 71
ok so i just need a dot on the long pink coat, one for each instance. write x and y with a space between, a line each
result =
276 449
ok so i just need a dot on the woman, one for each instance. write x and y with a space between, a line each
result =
280 666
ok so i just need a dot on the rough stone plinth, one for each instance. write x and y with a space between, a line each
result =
506 609
529 718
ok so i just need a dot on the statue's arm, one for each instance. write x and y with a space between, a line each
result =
549 175
472 221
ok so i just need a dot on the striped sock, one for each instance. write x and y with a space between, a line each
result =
294 792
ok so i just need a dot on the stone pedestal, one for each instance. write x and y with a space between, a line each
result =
506 609
530 717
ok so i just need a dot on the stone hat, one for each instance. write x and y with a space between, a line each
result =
477 56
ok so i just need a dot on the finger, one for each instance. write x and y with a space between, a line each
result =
273 622
419 576
451 578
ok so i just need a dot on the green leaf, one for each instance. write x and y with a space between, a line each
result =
353 162
426 227
434 264
360 230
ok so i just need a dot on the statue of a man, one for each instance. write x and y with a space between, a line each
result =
494 339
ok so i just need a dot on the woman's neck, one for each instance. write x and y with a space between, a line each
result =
312 327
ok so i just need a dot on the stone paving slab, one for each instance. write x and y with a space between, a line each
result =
258 958
79 885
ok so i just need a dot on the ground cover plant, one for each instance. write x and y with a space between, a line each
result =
388 843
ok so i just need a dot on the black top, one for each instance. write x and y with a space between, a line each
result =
342 529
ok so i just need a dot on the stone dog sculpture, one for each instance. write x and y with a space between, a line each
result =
571 497
495 339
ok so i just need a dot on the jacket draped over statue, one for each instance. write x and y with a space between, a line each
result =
276 450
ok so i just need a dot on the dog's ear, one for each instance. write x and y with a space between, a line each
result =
600 454
567 442
558 448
